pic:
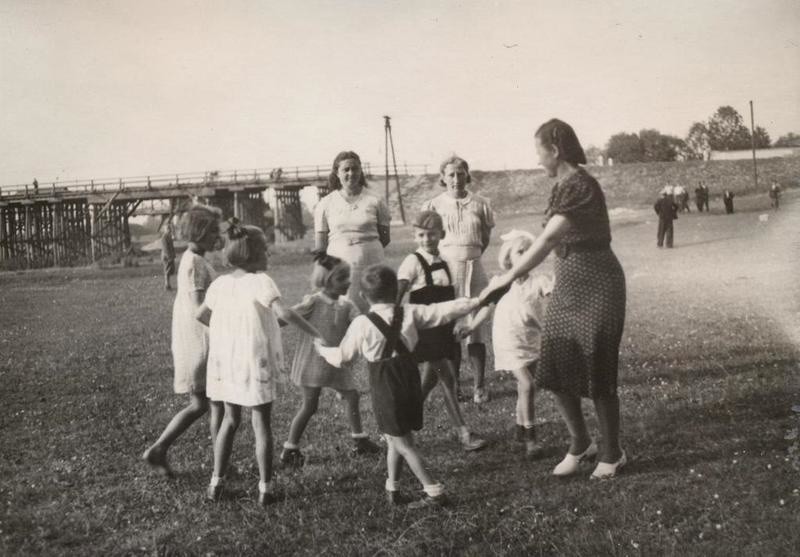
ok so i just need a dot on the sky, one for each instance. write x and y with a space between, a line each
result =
100 89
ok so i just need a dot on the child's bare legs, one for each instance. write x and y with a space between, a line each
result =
569 406
430 378
476 352
394 463
444 371
405 448
525 394
308 409
607 409
262 430
156 455
224 444
351 398
215 419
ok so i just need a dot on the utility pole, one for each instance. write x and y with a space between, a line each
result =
388 142
753 146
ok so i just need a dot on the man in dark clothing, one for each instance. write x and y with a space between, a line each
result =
698 197
705 196
168 254
667 211
727 198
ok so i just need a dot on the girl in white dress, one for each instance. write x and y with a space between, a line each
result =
190 338
245 351
516 332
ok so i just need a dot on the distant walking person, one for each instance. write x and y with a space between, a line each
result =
727 198
168 254
667 211
775 195
35 186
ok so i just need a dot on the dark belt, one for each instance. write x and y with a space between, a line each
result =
563 250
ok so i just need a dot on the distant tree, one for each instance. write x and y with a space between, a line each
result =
625 147
593 154
762 139
697 141
789 140
726 130
659 147
648 145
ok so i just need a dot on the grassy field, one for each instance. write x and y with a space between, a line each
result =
708 378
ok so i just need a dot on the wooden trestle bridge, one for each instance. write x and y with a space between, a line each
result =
80 222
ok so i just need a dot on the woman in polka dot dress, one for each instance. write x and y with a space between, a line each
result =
584 320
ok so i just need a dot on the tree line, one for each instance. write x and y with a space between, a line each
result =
723 131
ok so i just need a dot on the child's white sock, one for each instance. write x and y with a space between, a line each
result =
527 425
463 433
263 487
361 435
433 490
216 480
288 445
391 485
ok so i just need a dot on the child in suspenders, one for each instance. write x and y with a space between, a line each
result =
385 337
427 278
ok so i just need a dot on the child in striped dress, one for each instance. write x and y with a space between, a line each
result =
329 310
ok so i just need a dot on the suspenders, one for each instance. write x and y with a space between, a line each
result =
393 340
429 269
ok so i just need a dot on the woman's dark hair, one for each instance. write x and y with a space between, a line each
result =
333 178
559 133
456 161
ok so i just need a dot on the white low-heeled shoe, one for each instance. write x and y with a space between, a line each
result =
606 470
571 462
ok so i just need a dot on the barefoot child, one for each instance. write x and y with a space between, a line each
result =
385 338
331 312
245 353
428 278
516 332
190 338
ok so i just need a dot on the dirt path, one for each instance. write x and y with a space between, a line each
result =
746 262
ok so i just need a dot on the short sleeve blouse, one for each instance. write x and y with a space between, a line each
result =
580 199
356 220
465 220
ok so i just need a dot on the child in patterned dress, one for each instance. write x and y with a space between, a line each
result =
190 338
385 338
516 332
329 310
241 310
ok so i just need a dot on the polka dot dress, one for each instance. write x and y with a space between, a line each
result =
583 325
584 320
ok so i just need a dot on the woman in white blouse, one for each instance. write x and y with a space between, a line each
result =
351 223
468 222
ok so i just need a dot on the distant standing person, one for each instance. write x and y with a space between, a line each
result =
468 222
698 197
35 187
727 199
706 195
351 223
775 195
667 210
682 198
168 254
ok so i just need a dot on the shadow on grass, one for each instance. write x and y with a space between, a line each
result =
686 436
707 368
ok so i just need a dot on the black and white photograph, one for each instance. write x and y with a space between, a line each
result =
399 278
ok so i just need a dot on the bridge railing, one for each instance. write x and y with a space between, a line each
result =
275 176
